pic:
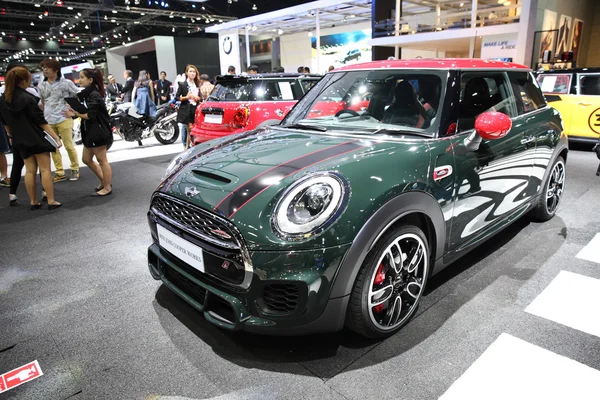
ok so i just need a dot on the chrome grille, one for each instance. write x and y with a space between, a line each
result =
195 220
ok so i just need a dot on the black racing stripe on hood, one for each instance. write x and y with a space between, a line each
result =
209 150
246 192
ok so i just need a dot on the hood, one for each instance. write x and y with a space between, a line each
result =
233 174
20 100
242 177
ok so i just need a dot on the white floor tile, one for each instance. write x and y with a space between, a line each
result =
512 369
591 252
572 300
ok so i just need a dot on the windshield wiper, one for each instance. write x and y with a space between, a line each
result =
306 127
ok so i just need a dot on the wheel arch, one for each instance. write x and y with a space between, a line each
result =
416 207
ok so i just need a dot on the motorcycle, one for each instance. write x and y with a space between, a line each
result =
132 126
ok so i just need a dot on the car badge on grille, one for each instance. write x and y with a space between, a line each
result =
191 191
225 265
220 233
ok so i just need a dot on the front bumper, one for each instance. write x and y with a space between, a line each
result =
288 292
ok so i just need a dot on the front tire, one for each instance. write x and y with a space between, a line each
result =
171 137
553 190
390 283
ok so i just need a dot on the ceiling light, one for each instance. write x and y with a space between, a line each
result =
173 30
310 33
21 32
40 16
87 27
254 7
254 27
69 8
279 31
37 5
114 11
31 23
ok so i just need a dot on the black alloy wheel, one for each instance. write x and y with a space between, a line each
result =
390 283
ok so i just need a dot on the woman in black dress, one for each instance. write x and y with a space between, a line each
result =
188 93
31 135
96 132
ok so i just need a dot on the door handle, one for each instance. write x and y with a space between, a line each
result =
584 104
528 140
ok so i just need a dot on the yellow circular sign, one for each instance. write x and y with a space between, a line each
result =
594 121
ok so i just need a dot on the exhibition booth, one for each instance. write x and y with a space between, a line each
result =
347 32
164 53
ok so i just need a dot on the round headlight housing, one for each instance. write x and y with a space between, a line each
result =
310 206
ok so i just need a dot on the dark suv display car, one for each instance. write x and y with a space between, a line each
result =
241 103
340 217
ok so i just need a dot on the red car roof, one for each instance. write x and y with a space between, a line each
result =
434 63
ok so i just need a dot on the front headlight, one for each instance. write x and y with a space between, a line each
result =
310 206
175 162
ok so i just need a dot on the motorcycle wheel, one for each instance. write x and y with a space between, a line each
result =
171 136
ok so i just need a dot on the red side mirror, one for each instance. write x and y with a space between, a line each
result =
492 125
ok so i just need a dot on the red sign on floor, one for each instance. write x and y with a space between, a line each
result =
19 376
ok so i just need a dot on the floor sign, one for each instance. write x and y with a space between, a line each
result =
19 376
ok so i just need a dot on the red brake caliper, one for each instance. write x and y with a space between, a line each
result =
379 278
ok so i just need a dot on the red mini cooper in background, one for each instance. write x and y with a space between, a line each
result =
242 103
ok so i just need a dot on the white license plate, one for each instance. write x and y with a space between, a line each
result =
181 248
213 118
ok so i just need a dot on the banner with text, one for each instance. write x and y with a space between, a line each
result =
499 47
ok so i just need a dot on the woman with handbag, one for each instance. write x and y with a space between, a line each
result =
188 93
31 135
96 132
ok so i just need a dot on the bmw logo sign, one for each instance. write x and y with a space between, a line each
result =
227 45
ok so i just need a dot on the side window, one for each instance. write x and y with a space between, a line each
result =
527 92
555 84
589 84
483 91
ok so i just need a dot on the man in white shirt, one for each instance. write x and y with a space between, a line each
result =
53 91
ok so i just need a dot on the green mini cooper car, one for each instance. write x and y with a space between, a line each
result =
382 175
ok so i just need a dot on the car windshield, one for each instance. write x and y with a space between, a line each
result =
234 90
381 101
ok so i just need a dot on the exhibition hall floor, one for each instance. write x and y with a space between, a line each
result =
516 319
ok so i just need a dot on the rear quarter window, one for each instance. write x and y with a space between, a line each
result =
527 92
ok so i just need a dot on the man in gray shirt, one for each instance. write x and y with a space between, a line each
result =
53 91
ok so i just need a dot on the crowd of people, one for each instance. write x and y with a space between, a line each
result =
38 123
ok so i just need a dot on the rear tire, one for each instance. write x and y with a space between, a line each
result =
173 129
552 192
390 283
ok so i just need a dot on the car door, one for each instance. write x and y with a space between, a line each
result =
585 122
491 181
533 120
